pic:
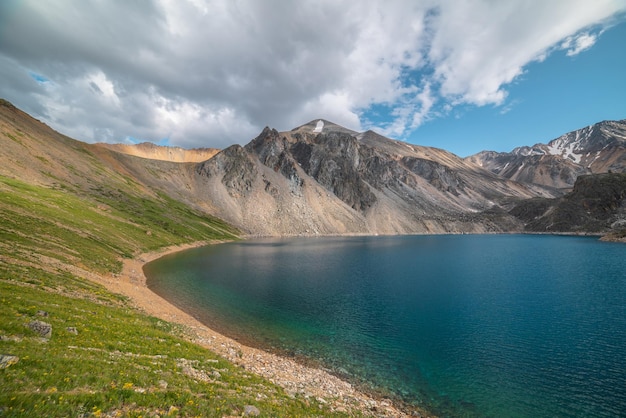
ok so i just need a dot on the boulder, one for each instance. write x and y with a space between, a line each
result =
251 411
42 328
7 360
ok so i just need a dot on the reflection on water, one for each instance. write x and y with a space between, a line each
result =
464 325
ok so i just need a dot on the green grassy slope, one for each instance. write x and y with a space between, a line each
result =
95 231
121 362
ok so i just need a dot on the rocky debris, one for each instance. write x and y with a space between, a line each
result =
235 168
191 369
618 236
296 379
7 360
300 380
42 328
251 411
72 330
163 384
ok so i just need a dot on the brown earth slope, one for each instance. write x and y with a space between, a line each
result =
157 152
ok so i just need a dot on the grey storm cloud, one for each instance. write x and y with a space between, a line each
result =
211 73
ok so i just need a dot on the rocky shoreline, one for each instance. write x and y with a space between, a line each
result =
295 378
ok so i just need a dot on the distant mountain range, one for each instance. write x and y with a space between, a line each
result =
321 178
599 148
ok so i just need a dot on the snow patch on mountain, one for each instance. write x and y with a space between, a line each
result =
319 127
571 145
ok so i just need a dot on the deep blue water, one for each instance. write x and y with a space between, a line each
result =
471 325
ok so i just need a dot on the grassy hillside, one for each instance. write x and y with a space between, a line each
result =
64 215
94 231
121 363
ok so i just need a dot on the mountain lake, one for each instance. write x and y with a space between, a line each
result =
461 325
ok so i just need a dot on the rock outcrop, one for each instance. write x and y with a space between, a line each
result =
7 360
597 204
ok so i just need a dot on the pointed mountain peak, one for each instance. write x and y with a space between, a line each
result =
318 126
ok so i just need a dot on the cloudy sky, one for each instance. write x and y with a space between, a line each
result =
464 75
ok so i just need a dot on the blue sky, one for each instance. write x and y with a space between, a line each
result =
463 75
551 98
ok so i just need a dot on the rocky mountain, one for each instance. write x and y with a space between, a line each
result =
324 179
599 148
319 178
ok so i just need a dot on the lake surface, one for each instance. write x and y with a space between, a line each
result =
469 325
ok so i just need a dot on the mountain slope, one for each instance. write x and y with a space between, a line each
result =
598 148
35 155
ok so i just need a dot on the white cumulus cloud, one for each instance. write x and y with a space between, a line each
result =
212 73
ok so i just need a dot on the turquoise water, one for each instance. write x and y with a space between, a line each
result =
489 326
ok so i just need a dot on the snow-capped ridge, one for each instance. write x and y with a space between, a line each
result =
597 148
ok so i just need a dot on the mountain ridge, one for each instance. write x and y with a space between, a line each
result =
317 179
152 151
594 149
390 188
